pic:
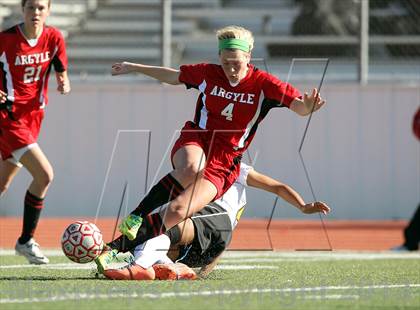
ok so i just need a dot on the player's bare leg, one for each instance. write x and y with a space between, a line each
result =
193 199
188 162
8 171
180 235
35 161
187 232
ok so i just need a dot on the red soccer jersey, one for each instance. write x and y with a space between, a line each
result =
235 111
416 124
24 69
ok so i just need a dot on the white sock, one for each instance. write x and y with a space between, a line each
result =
164 259
148 253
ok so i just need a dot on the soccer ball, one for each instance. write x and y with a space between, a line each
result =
82 242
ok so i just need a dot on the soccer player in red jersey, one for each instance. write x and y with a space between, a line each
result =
27 53
234 98
412 230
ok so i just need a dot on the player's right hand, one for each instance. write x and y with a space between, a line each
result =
120 68
313 99
315 207
3 97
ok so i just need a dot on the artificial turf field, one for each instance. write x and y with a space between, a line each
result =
243 280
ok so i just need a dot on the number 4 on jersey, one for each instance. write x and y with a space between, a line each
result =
228 112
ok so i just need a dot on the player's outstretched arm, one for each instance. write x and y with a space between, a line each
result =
261 181
304 106
63 82
162 74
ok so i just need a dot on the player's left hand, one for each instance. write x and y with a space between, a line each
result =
63 88
3 97
315 207
63 83
313 99
121 68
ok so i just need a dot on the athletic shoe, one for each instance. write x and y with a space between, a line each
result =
32 252
176 271
131 272
130 225
165 272
107 256
126 258
402 248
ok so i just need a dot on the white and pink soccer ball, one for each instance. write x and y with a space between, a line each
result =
82 242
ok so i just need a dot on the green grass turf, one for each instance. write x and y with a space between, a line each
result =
226 289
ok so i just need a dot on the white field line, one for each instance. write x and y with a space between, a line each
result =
335 296
244 267
317 255
314 255
324 289
91 266
64 266
8 252
301 259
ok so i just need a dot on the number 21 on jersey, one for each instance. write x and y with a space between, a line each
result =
228 111
31 74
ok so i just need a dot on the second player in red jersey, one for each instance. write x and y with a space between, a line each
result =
26 66
28 51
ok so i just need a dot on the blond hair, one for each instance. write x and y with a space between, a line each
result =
236 32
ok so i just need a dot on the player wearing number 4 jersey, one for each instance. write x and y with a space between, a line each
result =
27 53
234 96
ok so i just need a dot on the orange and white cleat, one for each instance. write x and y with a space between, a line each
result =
131 272
176 271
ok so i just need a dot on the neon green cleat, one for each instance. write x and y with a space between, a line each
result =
107 257
130 225
124 258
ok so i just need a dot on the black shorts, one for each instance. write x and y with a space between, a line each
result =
213 233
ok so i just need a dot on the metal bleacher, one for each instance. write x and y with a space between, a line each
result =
267 19
116 30
125 30
101 32
113 30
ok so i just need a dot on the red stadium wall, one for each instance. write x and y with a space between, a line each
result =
250 234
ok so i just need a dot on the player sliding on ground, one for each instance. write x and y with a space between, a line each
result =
200 240
234 98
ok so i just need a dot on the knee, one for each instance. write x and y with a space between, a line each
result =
45 179
4 184
189 173
179 210
49 177
3 188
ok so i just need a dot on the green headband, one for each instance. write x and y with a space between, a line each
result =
235 44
